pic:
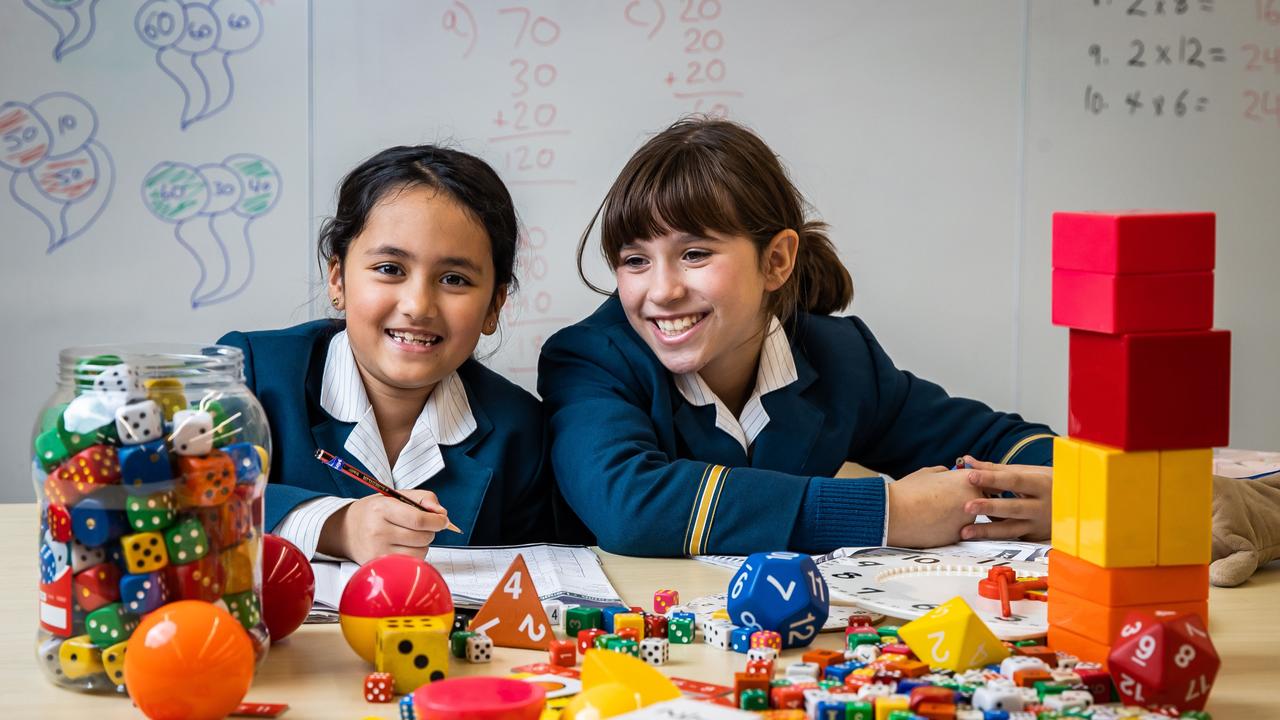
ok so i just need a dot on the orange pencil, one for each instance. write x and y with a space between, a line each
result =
361 476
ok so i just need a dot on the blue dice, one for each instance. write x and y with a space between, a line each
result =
606 616
144 464
780 591
95 522
740 639
247 461
143 592
406 708
54 558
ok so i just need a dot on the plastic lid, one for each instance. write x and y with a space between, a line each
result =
479 698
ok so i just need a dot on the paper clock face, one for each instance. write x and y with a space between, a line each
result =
907 583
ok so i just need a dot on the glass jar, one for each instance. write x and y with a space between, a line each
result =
149 464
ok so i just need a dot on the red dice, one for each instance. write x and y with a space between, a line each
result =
379 687
587 639
83 473
564 653
59 523
1164 662
205 481
97 586
629 634
655 626
760 667
200 580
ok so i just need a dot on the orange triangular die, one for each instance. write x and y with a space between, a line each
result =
513 615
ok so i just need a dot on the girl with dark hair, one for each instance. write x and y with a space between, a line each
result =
419 257
706 406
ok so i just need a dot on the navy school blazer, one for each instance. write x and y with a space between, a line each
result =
493 483
650 473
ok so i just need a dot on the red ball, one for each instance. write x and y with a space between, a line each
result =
188 660
390 586
288 586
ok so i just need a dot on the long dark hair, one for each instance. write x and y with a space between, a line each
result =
704 175
465 178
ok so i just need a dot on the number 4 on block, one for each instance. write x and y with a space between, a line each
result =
513 615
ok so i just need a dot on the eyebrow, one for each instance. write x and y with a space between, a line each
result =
681 238
391 250
461 262
452 261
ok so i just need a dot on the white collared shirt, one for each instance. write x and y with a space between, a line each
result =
777 370
446 419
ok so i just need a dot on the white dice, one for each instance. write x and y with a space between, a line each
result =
139 422
192 432
118 385
1068 699
83 556
998 697
655 650
479 649
717 633
762 653
1014 663
802 672
865 653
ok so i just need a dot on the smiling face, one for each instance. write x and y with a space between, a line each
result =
417 286
698 301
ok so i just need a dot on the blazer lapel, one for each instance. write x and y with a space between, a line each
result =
462 484
696 425
794 424
331 435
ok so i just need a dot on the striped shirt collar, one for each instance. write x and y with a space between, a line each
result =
446 419
777 370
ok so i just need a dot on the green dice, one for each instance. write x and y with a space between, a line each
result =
680 631
458 643
753 699
245 608
582 618
186 542
151 512
109 625
602 641
50 450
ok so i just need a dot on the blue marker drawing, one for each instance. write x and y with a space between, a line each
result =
194 42
61 173
209 206
73 19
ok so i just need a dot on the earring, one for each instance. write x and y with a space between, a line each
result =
335 302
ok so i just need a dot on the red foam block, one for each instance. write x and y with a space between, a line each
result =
1133 241
1150 391
1115 304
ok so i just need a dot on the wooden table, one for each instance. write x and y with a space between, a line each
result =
319 677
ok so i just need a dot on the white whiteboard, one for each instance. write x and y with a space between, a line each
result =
934 137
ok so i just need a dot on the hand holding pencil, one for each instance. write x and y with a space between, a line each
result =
389 522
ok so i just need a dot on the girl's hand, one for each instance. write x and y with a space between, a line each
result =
928 507
376 525
1027 517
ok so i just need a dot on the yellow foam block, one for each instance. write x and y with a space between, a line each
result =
1185 535
1066 495
1119 506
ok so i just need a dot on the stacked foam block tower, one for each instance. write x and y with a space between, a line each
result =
1148 400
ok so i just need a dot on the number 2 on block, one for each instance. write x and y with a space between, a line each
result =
938 638
535 632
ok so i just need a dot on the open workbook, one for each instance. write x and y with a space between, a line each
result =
571 574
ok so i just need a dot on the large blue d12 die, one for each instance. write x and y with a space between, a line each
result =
783 592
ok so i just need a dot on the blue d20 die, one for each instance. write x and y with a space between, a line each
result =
740 639
144 464
143 592
246 459
780 591
98 519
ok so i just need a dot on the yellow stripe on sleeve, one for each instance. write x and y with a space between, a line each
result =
1018 446
702 508
693 511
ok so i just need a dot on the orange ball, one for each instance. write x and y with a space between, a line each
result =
188 659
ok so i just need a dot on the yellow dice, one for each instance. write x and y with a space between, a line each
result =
237 567
144 552
168 394
415 650
629 620
79 658
952 636
113 661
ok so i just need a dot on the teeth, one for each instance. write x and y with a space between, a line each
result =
678 325
413 338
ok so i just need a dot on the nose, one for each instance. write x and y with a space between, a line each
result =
668 284
418 301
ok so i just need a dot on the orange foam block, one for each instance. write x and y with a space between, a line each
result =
1127 586
1082 647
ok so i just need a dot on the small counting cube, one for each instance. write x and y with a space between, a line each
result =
655 626
139 423
59 519
760 667
379 687
629 633
94 522
655 650
718 634
150 512
555 613
407 711
629 620
97 586
607 615
109 625
664 600
248 462
145 464
762 653
237 567
563 653
144 552
601 642
458 643
113 662
479 649
205 480
186 542
623 645
144 592
680 631
740 639
200 580
587 639
245 608
83 556
582 618
758 699
192 432
766 638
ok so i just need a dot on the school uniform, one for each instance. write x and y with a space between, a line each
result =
655 464
478 443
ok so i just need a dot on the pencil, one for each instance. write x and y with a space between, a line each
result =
361 476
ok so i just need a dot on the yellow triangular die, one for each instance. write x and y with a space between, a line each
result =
952 636
601 667
513 615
